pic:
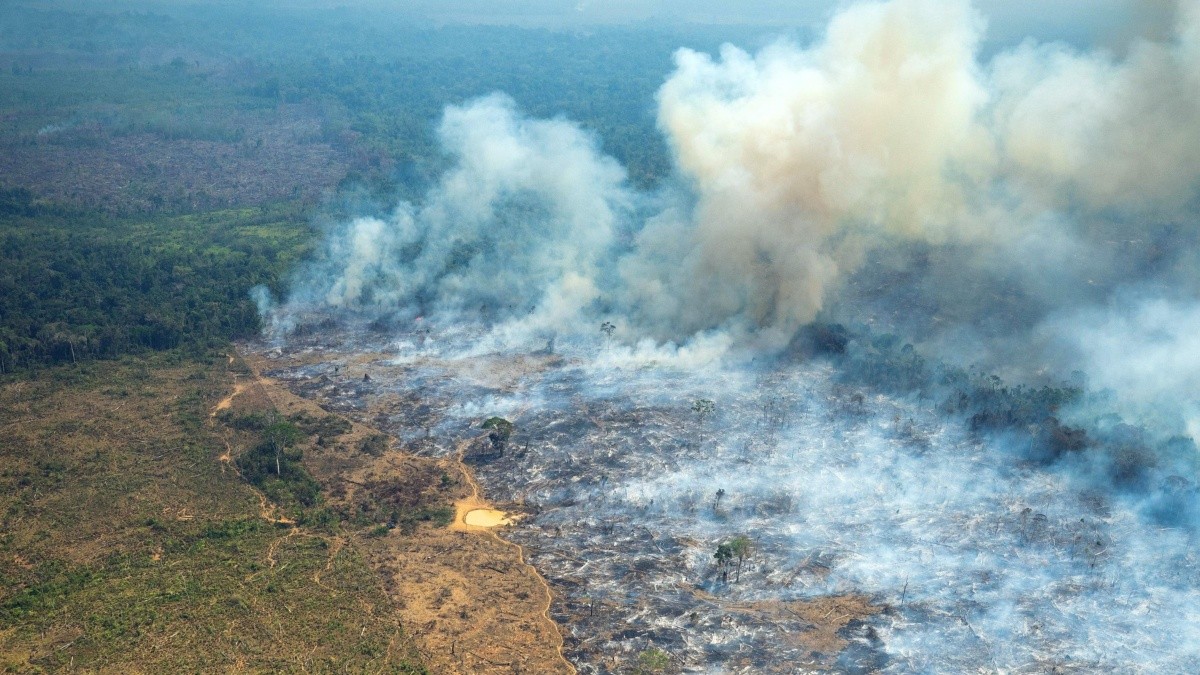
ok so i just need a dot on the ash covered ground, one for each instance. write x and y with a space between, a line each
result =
885 536
890 181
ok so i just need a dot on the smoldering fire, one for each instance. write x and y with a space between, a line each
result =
1033 212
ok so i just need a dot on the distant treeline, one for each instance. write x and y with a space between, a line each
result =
376 82
77 286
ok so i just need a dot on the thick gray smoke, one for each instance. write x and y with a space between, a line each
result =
889 131
1059 181
801 158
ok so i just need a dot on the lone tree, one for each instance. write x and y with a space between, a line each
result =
500 430
280 435
724 557
737 549
704 409
740 547
608 328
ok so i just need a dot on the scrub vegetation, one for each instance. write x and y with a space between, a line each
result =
127 546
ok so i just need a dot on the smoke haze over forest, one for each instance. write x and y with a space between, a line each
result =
1105 23
1027 199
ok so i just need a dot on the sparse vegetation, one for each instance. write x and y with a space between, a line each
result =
652 660
327 427
402 502
126 546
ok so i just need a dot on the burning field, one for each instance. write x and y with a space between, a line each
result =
881 535
896 371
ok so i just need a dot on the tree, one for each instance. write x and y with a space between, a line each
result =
281 435
724 557
500 430
57 334
740 548
704 409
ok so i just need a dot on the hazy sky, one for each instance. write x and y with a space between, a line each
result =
1084 22
1104 21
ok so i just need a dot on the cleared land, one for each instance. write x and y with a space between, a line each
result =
132 543
471 602
128 546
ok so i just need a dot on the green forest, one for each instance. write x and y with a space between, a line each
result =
77 285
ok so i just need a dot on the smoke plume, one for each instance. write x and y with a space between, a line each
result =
1007 194
1033 213
800 158
520 226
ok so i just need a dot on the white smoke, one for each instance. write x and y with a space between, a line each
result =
799 157
1049 195
1146 351
1067 174
518 227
